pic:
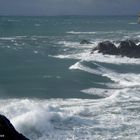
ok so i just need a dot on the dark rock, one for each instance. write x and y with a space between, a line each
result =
126 48
135 40
106 47
8 132
85 42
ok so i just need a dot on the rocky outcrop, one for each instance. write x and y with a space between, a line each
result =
106 47
8 132
85 42
126 48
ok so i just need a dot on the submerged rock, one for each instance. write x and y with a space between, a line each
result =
8 132
126 48
85 42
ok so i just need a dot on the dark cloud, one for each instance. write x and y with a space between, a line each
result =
69 7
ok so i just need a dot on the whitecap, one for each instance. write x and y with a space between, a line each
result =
44 119
37 25
12 38
72 118
126 80
35 51
103 93
7 38
80 66
76 33
68 43
76 45
96 32
98 57
132 23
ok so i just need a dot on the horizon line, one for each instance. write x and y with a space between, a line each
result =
61 15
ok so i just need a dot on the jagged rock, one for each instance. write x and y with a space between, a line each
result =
129 48
85 42
106 47
126 48
8 132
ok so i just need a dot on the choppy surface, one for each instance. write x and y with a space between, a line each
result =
51 87
115 117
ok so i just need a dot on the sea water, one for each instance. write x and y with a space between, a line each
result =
53 88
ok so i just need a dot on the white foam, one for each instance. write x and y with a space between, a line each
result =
32 117
73 32
37 25
138 36
68 43
12 38
7 38
35 51
79 66
97 32
44 119
74 118
133 23
98 57
103 93
124 80
83 52
76 45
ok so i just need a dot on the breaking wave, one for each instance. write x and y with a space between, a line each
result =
98 57
74 118
76 33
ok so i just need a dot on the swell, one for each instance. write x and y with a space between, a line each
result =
122 79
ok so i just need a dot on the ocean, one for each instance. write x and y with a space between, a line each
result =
53 88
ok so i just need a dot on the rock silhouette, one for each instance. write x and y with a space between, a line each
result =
126 48
8 132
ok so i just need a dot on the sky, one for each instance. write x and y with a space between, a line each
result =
69 7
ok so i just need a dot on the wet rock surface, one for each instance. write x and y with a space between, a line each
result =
126 48
8 132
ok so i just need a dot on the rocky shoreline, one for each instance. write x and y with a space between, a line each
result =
8 132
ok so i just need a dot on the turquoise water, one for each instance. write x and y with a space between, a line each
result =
25 46
51 87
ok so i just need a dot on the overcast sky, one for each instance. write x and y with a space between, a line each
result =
69 7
